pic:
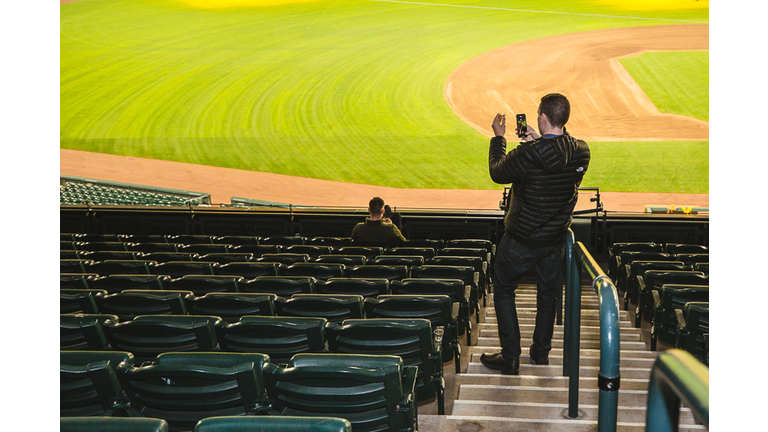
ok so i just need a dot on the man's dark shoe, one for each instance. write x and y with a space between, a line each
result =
539 360
498 362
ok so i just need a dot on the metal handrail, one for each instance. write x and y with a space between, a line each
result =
609 377
676 376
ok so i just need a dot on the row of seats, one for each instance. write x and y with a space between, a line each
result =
373 392
671 291
212 424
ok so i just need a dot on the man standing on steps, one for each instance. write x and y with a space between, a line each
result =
545 172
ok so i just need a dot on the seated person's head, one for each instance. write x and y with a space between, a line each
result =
387 211
376 207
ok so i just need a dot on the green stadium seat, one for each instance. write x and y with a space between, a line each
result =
456 289
480 266
177 269
256 249
112 424
108 267
232 306
283 286
229 257
89 385
333 307
102 246
315 270
347 260
690 259
370 252
112 255
147 247
279 337
147 336
628 257
681 248
356 286
313 251
77 280
250 270
73 254
665 302
184 388
615 250
466 274
335 242
237 240
627 284
425 252
190 239
284 240
693 330
208 248
273 424
120 282
84 332
399 260
440 310
201 285
284 258
80 300
379 271
432 243
144 238
74 265
129 304
413 340
702 267
653 280
161 257
371 392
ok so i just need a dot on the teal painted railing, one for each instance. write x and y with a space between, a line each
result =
677 377
577 258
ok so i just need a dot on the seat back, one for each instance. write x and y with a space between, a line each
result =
370 252
406 260
204 284
74 265
279 337
333 307
249 270
184 388
237 241
151 246
690 259
112 424
356 286
274 424
120 282
129 304
347 260
315 270
77 280
655 279
84 331
425 252
372 392
80 300
189 239
257 249
313 251
177 269
377 271
161 257
232 306
433 243
692 335
208 248
284 241
108 267
682 248
284 258
228 257
283 286
335 242
147 336
88 382
675 296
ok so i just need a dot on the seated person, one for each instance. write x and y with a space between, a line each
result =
375 230
393 216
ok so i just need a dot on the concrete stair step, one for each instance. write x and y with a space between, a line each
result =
512 394
552 411
531 319
526 331
583 352
557 370
558 343
451 423
561 382
583 360
588 313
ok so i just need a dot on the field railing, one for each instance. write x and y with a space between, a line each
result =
676 377
577 258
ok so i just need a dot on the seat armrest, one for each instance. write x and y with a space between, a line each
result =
476 278
656 299
680 317
467 292
437 340
409 388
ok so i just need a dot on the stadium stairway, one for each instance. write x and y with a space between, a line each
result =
537 398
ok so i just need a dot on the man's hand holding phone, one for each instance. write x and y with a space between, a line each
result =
499 125
531 134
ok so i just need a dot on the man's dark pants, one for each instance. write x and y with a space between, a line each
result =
512 260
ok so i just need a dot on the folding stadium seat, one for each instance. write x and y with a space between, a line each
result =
283 286
690 259
465 273
440 310
84 331
190 239
372 392
80 300
457 251
112 424
119 282
108 267
653 280
313 251
74 265
616 249
333 307
147 336
148 247
203 249
431 243
315 270
232 306
257 250
89 384
335 242
102 246
284 258
228 257
273 424
68 245
456 289
279 337
370 252
129 304
471 243
177 269
347 260
678 248
144 238
480 266
73 254
204 284
702 267
627 279
161 257
77 280
250 270
426 252
354 286
237 241
410 339
671 297
68 237
399 260
111 255
379 271
284 241
693 329
96 238
184 388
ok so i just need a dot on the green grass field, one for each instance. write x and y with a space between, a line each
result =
348 90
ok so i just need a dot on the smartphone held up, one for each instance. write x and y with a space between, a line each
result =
522 126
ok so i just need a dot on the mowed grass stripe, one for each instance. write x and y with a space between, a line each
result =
340 90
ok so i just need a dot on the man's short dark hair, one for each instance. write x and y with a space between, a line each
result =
375 205
557 108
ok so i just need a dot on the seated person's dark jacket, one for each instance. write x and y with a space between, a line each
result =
377 232
545 176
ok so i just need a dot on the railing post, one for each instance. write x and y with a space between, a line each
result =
574 320
676 376
608 378
569 263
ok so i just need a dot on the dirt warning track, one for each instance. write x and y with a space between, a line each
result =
606 103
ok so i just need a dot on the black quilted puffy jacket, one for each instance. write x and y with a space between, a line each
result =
545 176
